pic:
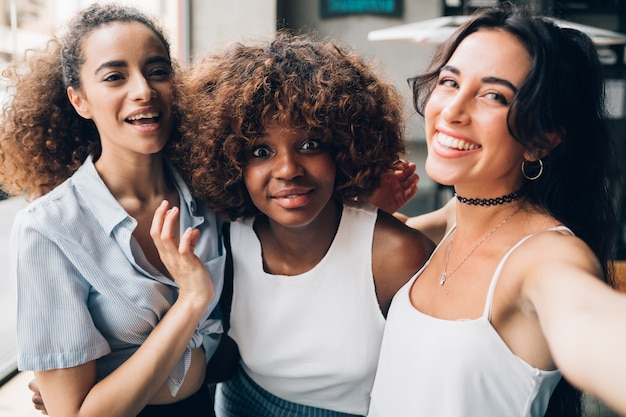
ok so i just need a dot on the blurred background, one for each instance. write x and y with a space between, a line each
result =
399 36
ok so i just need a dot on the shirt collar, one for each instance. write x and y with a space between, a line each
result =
108 210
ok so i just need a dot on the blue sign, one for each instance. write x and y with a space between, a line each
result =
334 8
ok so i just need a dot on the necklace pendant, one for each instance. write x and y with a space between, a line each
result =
442 280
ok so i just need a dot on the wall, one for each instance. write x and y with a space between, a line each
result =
215 23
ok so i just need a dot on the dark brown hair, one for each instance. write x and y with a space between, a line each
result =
318 87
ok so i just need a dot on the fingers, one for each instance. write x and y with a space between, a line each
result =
39 405
410 192
404 169
178 257
408 183
157 222
168 231
36 398
163 228
188 241
32 385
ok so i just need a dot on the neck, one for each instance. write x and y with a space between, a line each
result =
290 250
142 178
474 221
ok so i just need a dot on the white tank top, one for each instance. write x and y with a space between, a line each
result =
454 368
313 338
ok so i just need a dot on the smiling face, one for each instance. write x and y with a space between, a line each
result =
290 177
126 88
469 144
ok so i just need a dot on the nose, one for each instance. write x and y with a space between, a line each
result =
456 109
287 166
140 88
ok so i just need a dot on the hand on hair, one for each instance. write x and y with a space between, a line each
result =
396 188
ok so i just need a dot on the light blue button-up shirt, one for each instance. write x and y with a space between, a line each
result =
86 290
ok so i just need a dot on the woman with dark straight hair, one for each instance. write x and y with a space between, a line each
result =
515 296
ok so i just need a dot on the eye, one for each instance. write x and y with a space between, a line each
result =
495 96
109 78
447 82
447 78
261 152
311 145
160 73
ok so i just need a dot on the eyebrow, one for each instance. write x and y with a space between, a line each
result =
489 79
123 64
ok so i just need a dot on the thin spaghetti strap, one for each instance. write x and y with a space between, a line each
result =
496 274
562 228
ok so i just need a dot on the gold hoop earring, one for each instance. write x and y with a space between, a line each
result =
539 170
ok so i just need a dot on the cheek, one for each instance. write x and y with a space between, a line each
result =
494 126
168 97
254 179
327 169
248 178
431 111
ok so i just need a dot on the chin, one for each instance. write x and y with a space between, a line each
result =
440 174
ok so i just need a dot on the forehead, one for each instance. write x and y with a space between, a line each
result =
493 52
121 40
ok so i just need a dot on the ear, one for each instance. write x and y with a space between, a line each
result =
80 105
555 139
532 154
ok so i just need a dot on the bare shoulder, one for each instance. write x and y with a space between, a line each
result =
398 252
394 239
555 267
553 250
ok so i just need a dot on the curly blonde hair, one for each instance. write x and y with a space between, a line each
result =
43 141
319 87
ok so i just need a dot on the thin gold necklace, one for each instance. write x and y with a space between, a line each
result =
445 275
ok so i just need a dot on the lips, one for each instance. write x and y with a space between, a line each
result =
455 143
291 192
293 198
143 118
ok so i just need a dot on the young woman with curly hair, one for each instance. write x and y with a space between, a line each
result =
287 138
111 316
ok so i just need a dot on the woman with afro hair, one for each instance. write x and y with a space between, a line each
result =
288 138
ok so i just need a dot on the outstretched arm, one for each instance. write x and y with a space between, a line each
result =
76 392
582 319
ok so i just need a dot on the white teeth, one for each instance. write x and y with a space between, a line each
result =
450 142
144 116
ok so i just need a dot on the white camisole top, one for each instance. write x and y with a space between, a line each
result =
453 368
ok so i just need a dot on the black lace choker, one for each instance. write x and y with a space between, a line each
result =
509 198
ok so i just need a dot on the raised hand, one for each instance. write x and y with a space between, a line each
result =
179 258
396 188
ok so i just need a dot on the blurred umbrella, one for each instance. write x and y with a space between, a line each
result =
435 31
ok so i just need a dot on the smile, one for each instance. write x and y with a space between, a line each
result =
454 143
144 118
